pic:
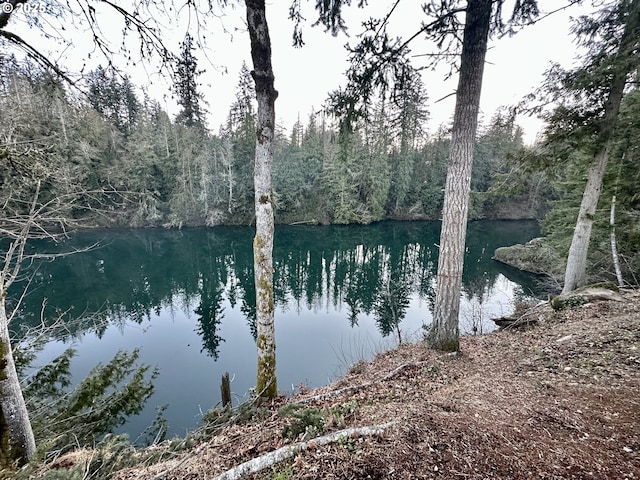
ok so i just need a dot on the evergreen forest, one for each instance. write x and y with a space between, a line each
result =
146 169
102 153
175 172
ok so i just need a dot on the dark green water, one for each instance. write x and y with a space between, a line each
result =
186 299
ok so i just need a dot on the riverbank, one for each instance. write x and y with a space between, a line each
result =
555 401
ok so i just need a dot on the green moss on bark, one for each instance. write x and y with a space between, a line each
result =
4 351
5 456
9 457
447 346
436 342
266 384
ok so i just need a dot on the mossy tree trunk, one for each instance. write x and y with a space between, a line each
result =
444 333
266 95
625 64
17 444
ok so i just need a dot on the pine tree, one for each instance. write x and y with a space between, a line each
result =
408 116
186 86
242 111
612 72
240 131
112 98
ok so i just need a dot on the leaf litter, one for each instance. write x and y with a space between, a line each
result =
559 400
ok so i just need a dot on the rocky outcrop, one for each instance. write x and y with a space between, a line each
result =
605 291
534 256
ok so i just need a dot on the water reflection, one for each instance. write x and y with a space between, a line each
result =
172 291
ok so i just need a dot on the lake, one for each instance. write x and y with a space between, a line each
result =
186 299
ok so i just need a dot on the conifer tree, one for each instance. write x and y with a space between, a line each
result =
186 86
611 76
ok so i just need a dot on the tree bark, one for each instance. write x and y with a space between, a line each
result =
444 333
614 245
266 95
575 273
17 444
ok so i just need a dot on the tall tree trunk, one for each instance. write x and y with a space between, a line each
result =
17 444
614 244
266 95
575 273
444 334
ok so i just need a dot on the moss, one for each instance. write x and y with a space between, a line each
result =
281 473
583 295
10 456
5 454
6 462
4 351
266 384
450 346
444 346
441 342
265 290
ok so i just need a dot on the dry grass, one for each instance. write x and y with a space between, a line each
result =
558 401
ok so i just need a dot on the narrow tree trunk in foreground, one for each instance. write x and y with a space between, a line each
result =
614 244
444 334
266 95
575 274
17 444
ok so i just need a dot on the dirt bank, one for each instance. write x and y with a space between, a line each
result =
560 400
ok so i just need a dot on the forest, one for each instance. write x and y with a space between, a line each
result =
174 172
155 171
101 153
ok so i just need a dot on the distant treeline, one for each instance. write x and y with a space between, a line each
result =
175 172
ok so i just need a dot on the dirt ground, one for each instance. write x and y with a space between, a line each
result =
558 400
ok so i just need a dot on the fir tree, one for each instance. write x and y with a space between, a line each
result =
186 87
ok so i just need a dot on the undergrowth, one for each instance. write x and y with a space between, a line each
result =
310 422
115 452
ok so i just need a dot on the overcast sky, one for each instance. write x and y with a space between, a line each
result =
304 76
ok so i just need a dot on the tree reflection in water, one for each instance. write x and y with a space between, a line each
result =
160 288
374 269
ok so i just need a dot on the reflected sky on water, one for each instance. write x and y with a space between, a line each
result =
186 299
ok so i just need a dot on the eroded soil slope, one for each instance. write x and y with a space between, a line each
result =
559 400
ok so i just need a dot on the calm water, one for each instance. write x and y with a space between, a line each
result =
186 299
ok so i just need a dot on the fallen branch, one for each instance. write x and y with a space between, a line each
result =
357 388
399 370
272 458
335 393
530 317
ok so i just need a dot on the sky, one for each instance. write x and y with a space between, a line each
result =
303 76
